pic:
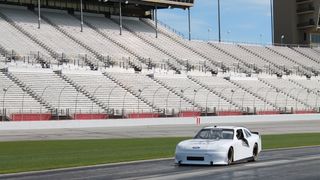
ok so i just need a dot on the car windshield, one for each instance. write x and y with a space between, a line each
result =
215 134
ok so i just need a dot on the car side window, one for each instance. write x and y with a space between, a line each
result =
239 134
248 134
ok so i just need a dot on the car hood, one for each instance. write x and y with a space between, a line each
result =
203 144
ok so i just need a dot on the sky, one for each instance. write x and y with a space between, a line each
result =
241 20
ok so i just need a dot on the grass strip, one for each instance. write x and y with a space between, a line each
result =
42 155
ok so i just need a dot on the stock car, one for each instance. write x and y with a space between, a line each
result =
221 145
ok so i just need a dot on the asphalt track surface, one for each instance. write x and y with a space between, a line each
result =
285 164
282 127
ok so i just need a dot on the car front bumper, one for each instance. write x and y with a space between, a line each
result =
208 158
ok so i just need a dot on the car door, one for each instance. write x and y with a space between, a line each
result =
251 141
242 146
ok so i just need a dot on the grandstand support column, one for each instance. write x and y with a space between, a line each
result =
120 17
39 14
81 16
219 21
156 20
189 23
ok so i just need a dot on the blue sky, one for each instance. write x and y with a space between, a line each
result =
241 20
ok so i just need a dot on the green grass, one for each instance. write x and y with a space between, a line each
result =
42 155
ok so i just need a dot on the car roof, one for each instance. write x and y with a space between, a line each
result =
222 127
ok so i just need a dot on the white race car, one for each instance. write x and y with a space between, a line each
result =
221 145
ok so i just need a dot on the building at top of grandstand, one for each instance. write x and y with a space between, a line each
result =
135 8
296 22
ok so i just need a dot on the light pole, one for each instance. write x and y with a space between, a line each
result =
81 16
42 97
5 90
182 93
111 93
22 103
39 14
140 91
156 20
124 98
276 100
289 94
120 16
94 93
220 97
58 113
308 96
219 21
195 91
189 23
282 39
254 100
76 103
298 98
266 96
155 94
168 98
232 91
318 93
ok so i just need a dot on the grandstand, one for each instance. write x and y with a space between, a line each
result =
59 72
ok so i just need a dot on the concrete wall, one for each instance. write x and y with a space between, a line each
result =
152 122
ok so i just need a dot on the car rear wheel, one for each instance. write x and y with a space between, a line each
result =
255 153
230 156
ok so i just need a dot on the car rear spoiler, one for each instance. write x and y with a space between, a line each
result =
257 133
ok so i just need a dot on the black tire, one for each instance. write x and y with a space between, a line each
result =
255 153
230 156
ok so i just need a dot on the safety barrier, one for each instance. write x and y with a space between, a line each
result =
30 117
143 115
229 113
90 116
189 114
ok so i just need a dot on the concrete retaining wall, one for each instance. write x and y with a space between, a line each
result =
152 122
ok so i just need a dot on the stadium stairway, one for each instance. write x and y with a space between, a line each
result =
131 91
176 66
34 39
88 61
275 68
305 54
126 48
245 69
306 71
304 87
28 90
83 91
253 94
283 92
179 41
178 94
194 79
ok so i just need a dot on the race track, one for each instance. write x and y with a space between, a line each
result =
281 127
289 164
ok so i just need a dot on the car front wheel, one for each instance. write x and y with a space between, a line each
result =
230 156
